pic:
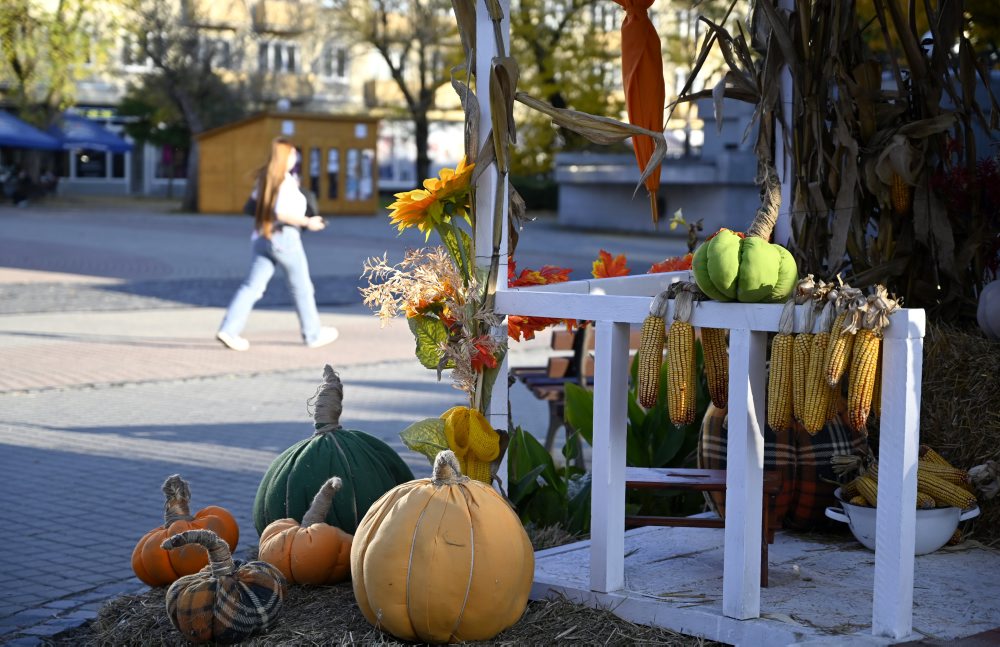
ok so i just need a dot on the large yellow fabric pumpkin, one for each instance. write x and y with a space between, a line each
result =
443 559
312 552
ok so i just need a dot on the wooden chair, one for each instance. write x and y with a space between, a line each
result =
700 480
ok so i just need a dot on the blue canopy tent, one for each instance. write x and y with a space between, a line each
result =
76 132
16 133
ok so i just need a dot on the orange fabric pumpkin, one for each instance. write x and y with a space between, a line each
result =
443 559
158 567
312 552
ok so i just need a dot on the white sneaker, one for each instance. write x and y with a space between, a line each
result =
327 335
233 342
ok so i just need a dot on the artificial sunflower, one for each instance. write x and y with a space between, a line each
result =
441 198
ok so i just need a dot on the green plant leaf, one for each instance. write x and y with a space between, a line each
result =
670 443
430 334
525 486
426 437
580 410
578 506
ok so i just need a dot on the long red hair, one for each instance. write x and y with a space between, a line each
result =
269 178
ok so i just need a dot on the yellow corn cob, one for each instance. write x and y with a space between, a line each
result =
945 473
817 390
945 493
838 352
713 343
925 501
859 500
833 403
780 383
901 194
956 538
800 368
650 360
877 389
928 455
680 375
849 490
868 487
861 385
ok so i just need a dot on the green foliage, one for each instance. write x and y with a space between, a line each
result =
426 437
543 494
45 48
430 334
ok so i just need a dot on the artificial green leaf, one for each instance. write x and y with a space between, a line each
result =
580 410
426 437
667 449
525 486
431 334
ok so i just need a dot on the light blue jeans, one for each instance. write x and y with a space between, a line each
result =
284 250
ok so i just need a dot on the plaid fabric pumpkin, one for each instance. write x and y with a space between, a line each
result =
223 602
802 459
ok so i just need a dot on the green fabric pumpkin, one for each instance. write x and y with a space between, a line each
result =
729 267
367 466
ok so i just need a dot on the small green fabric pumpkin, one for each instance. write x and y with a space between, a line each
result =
730 267
368 467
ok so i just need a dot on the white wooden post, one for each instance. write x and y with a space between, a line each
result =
607 523
899 437
744 474
485 196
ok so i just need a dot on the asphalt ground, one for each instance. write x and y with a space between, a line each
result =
111 379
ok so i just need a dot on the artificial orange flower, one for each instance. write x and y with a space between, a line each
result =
439 200
520 327
672 264
481 355
606 267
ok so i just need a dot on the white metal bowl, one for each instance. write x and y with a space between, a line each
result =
934 527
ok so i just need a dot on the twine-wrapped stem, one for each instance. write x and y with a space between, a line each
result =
219 556
446 469
178 495
770 203
321 503
329 403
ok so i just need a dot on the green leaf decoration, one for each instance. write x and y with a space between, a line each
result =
426 437
431 334
580 410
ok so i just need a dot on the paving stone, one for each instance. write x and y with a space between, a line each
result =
24 641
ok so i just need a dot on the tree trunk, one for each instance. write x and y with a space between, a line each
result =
190 202
422 126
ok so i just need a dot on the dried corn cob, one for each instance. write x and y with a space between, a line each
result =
805 291
851 305
901 194
651 352
925 501
868 487
956 538
928 455
951 474
713 343
779 379
877 389
817 390
865 358
945 493
858 500
849 490
681 381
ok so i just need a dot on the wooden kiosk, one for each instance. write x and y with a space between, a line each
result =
338 160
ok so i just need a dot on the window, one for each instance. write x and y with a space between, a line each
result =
353 174
333 62
332 173
91 164
217 53
133 54
276 56
118 165
314 157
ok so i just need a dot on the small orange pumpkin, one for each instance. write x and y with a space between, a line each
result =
159 567
443 559
313 552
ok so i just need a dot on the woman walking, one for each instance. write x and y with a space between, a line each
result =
279 219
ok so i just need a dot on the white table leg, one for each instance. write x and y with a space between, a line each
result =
607 526
744 474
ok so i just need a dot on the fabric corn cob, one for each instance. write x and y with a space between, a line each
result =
925 501
851 305
779 379
900 194
713 344
681 381
868 487
865 357
944 493
818 394
651 352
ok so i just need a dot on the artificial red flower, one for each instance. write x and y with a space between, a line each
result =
481 355
672 264
521 327
606 267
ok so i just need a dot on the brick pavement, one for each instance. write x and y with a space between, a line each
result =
112 380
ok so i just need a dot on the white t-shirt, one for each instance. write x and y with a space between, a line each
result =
290 199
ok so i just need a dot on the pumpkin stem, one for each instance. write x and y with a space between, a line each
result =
446 469
178 494
329 402
770 198
219 556
321 502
